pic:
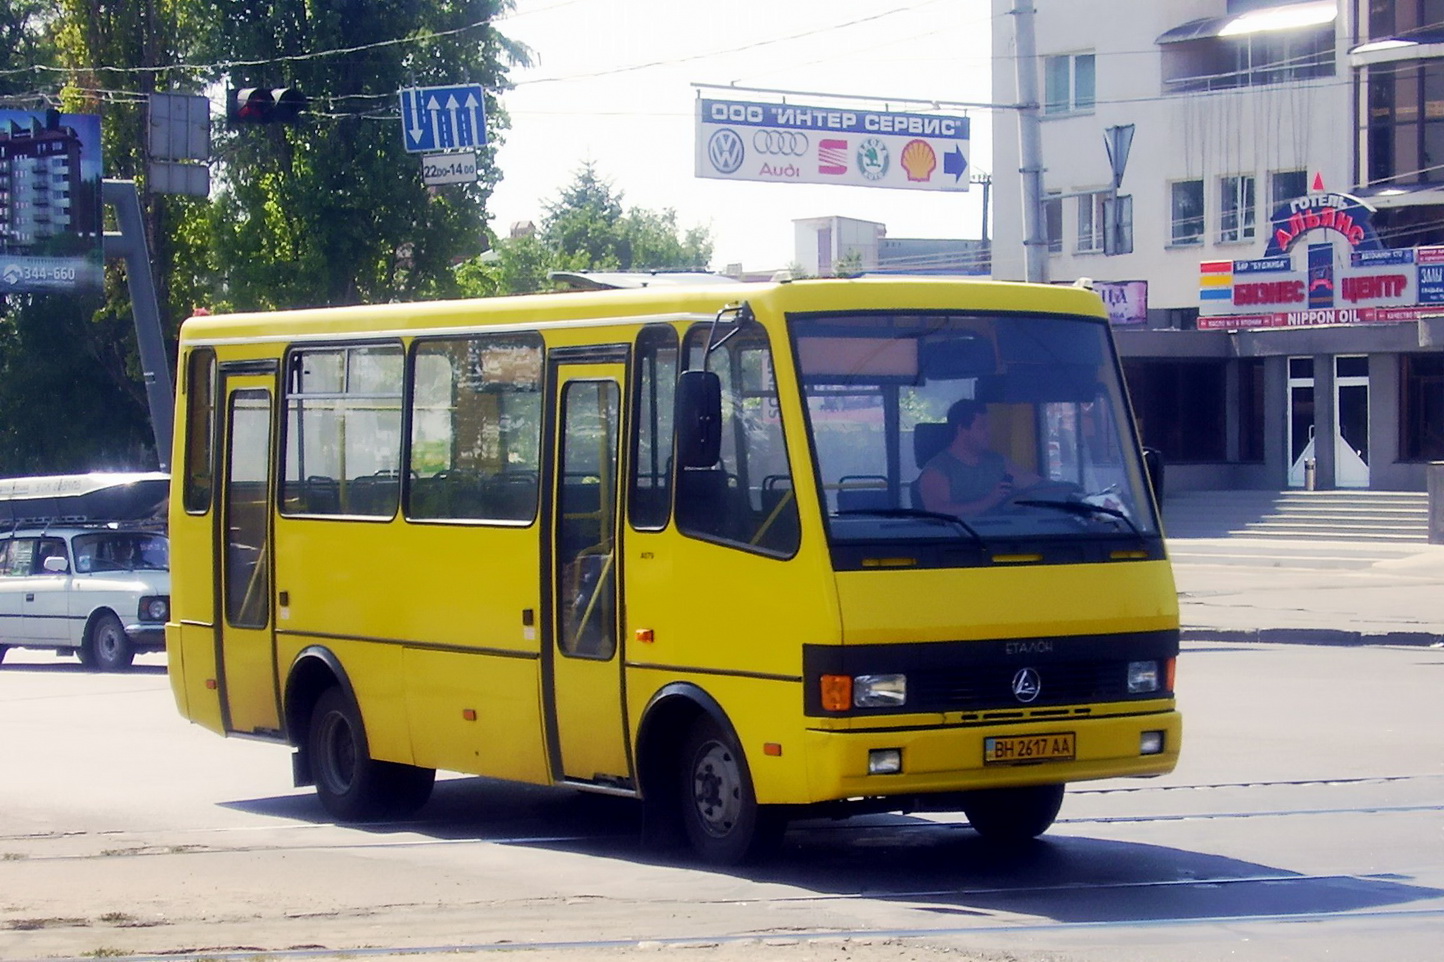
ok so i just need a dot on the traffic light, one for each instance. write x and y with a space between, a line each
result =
264 105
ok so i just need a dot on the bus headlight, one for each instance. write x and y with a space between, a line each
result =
154 608
879 691
1143 676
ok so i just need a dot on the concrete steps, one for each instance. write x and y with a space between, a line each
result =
1387 516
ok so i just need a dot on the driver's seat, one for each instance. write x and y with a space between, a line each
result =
928 439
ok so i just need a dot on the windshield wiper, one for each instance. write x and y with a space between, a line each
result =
951 519
1081 508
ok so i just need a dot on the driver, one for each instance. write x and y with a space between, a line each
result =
967 477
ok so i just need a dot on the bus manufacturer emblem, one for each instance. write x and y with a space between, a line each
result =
1026 685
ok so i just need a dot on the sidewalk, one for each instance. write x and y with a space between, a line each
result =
1310 592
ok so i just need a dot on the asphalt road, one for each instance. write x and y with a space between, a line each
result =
1304 822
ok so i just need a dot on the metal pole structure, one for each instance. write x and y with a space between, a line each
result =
1030 144
130 246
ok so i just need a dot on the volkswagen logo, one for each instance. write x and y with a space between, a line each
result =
788 143
1026 685
726 150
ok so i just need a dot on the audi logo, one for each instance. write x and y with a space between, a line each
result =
788 143
726 151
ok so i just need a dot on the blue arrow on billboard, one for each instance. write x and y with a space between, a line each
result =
955 163
443 118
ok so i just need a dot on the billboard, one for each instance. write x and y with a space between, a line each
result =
790 143
51 231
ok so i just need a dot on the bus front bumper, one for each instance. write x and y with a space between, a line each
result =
953 759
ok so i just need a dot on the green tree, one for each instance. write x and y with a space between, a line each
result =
587 227
333 210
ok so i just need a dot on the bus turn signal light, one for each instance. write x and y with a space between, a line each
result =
836 692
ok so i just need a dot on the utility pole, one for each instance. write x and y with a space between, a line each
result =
1030 144
129 245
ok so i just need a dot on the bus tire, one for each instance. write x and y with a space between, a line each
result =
1013 816
723 821
106 647
351 785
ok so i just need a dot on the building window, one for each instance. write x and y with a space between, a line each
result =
1092 217
1421 420
1179 407
1285 185
1069 83
1053 223
1251 59
1235 209
1406 123
1187 212
1403 18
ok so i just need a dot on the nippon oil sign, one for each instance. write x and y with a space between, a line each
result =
51 231
794 144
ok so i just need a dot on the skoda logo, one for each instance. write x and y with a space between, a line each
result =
726 151
788 143
1026 685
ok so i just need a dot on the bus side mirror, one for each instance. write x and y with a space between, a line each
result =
698 410
1153 464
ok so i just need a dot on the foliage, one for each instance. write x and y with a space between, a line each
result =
330 211
587 228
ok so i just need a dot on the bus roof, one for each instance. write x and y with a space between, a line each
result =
641 305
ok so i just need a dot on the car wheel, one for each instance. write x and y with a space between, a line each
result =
724 823
107 646
352 785
1012 816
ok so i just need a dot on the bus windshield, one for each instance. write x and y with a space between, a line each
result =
979 427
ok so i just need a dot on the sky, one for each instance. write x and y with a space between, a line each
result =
612 83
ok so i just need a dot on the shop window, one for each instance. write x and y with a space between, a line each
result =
1251 410
1421 420
1180 407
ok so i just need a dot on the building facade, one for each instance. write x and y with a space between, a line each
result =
40 179
1280 217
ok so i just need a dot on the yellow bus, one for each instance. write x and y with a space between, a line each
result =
744 552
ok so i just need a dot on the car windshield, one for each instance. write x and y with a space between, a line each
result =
121 551
977 427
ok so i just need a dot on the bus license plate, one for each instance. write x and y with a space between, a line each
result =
1055 746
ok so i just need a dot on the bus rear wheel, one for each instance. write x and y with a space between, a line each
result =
724 823
351 785
1012 816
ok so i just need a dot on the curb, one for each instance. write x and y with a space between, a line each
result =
1315 636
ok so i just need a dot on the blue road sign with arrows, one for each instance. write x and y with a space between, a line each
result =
443 118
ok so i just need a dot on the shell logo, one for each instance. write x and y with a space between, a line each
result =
919 160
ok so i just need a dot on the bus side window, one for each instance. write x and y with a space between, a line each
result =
476 405
746 499
649 494
200 430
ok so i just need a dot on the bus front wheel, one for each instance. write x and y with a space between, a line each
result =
1012 816
352 785
724 823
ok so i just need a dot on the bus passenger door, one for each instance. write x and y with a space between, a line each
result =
582 656
249 699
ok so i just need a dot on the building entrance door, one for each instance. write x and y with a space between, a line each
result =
1351 410
1300 417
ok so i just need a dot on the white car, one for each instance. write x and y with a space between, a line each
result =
99 589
